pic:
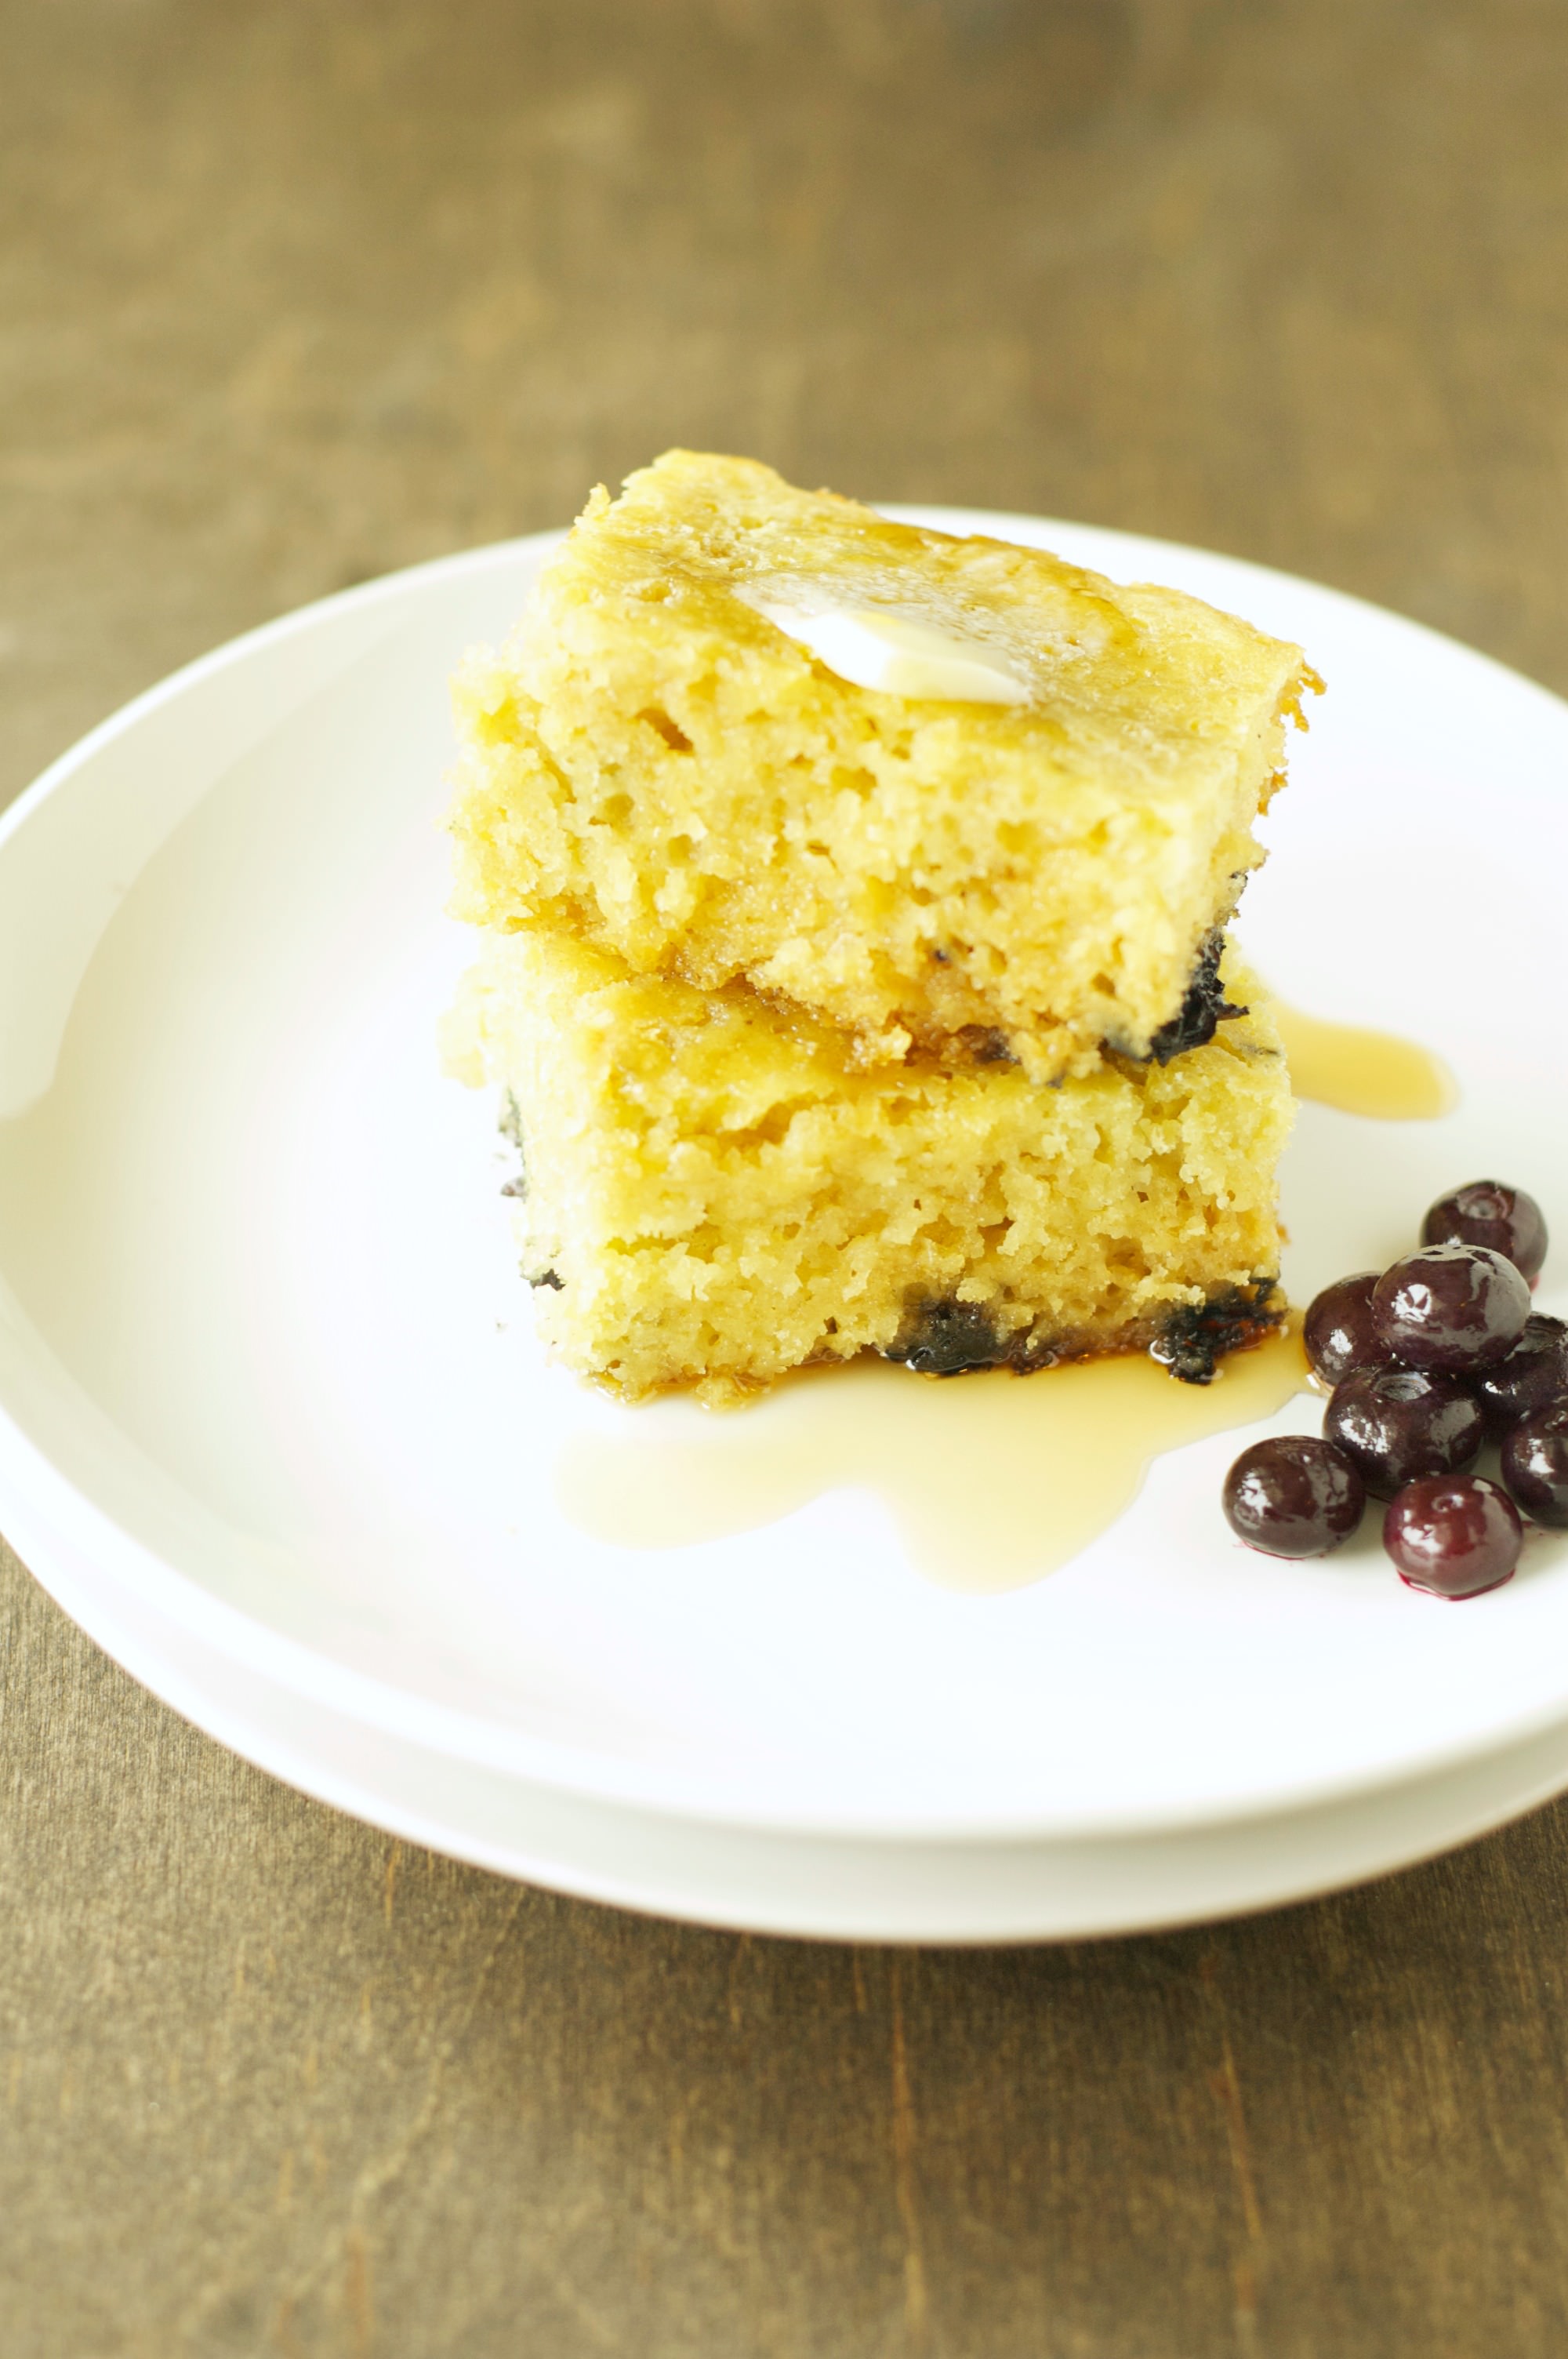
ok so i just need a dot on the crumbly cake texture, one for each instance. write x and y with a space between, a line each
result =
714 1192
653 767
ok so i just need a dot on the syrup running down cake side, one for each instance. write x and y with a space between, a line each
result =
713 1190
1023 837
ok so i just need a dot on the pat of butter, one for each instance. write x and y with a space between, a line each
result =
873 648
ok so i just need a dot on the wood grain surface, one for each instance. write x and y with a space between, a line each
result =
294 293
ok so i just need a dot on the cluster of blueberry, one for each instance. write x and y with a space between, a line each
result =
1427 1360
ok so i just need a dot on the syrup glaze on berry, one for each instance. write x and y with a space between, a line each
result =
1451 1307
1453 1536
1396 1425
1338 1331
1533 1377
1489 1212
1535 1466
1293 1496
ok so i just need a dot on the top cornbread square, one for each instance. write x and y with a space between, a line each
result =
652 764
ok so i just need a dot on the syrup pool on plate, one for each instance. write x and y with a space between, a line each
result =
994 1479
1361 1071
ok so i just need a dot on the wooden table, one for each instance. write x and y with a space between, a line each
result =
295 293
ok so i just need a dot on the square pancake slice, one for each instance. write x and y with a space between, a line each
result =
1024 849
713 1190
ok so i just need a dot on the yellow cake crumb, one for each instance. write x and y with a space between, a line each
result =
715 1189
653 767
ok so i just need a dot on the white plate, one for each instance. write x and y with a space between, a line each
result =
962 1889
266 1372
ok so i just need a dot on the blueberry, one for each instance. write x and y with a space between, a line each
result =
1453 1536
1487 1212
1534 1375
1202 1011
1196 1336
1455 1308
1396 1424
1535 1465
1337 1330
943 1337
1293 1496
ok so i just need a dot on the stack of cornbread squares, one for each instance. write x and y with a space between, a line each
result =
829 1018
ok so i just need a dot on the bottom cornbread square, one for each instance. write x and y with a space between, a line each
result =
713 1192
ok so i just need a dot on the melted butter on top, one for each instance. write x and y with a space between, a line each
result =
876 647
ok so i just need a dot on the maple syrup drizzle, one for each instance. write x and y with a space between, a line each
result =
993 1479
1373 1074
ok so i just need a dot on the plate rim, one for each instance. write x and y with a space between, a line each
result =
1018 1888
